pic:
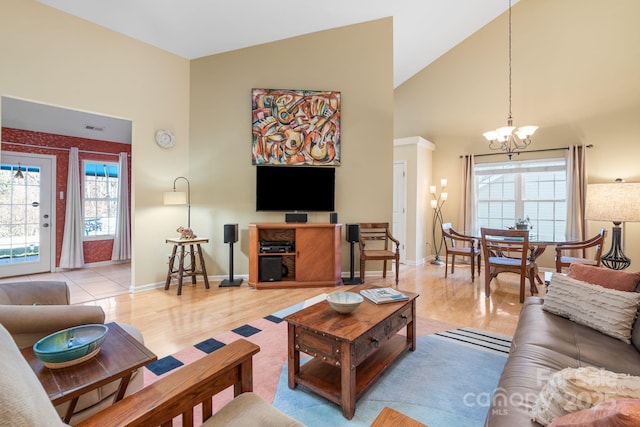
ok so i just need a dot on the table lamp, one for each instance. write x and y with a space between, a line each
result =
617 202
179 198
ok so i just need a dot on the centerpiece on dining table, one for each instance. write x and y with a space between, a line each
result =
522 224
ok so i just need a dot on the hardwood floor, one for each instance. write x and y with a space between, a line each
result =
170 323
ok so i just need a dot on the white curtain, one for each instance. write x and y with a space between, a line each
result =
576 192
122 240
72 253
468 215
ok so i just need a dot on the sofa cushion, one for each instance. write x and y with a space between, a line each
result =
574 389
542 345
249 409
609 311
613 413
23 401
612 279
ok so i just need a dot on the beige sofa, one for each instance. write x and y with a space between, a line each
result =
31 310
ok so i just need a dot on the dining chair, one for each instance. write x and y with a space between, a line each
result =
507 251
459 244
377 243
596 242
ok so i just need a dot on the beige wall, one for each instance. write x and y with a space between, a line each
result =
54 58
575 74
355 60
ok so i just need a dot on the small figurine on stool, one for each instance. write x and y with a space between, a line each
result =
186 233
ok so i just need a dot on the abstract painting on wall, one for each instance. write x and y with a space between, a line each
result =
295 127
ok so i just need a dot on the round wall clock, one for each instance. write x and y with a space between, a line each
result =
165 139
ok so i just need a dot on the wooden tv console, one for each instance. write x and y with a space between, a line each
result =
314 262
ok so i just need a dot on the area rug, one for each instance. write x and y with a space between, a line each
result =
447 381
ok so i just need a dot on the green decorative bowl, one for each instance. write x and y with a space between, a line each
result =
344 302
70 346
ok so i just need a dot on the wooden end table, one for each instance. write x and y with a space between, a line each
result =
389 417
190 270
119 357
350 351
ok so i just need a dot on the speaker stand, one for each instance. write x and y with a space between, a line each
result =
230 281
352 280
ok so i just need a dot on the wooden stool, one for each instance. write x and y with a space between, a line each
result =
391 418
192 269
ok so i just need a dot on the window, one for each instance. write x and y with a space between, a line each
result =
536 189
100 198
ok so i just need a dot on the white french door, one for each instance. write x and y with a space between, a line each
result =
27 223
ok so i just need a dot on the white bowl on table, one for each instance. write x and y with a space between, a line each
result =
344 302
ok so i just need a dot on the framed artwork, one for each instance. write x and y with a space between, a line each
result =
295 127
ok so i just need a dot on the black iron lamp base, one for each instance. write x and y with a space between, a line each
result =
437 261
615 259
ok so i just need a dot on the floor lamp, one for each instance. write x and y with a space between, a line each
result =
179 198
437 201
617 202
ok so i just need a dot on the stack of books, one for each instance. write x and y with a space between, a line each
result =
383 295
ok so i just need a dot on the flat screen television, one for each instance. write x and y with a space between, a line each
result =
295 188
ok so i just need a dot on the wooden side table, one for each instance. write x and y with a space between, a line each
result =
389 417
191 269
119 357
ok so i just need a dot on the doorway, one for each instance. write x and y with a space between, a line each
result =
400 207
27 226
98 137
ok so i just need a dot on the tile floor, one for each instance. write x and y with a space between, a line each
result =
89 284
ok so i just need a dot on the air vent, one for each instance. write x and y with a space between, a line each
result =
95 128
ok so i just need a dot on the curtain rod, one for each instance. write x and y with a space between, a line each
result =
518 152
62 149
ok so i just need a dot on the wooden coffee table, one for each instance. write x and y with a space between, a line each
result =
119 357
350 351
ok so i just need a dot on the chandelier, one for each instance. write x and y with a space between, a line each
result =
508 138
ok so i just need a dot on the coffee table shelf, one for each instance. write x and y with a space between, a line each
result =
324 379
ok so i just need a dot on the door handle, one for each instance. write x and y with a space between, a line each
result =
35 204
45 225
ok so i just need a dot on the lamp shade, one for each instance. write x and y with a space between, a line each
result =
615 201
175 198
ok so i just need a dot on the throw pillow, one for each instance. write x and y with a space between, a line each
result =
613 279
606 310
613 413
575 389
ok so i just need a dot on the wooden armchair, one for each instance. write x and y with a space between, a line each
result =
180 393
596 242
458 244
376 244
507 251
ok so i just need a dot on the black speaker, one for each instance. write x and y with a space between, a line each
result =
353 232
333 217
230 233
270 268
230 237
295 217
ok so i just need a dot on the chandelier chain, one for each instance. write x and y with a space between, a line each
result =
508 138
510 117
